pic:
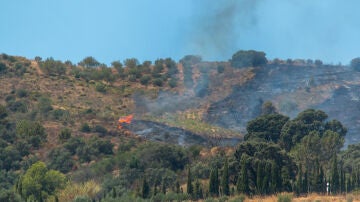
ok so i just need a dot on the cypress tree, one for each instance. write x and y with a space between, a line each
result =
214 182
305 183
163 186
259 177
198 190
242 185
225 179
342 180
335 182
275 178
190 189
177 185
145 191
113 192
299 182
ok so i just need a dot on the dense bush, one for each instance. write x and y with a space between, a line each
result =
52 67
65 134
248 58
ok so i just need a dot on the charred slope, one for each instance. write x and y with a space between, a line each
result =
333 89
160 132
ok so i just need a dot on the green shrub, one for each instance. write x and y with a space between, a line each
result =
60 159
100 129
18 106
158 82
20 93
285 197
3 67
100 87
65 134
85 128
172 83
145 80
240 198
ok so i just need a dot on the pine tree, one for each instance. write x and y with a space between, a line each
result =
190 189
225 179
335 182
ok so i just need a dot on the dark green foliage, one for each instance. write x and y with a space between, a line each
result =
9 158
60 159
172 82
33 132
44 105
355 64
190 188
3 112
335 178
214 182
89 62
249 58
145 189
21 93
158 82
65 134
18 106
131 62
309 120
100 87
266 127
242 185
220 69
85 128
145 80
52 67
73 143
3 67
100 129
225 179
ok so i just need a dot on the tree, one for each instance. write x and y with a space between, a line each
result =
266 127
335 178
145 190
355 64
38 182
89 62
2 67
190 189
52 67
242 185
268 108
214 182
248 58
225 179
131 62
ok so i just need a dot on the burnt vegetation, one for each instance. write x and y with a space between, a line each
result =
59 136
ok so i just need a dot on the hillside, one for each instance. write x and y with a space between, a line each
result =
191 117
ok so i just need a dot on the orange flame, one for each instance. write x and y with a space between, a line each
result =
125 119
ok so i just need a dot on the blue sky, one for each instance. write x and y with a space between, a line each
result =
112 30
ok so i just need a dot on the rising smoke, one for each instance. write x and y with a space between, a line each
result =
218 24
